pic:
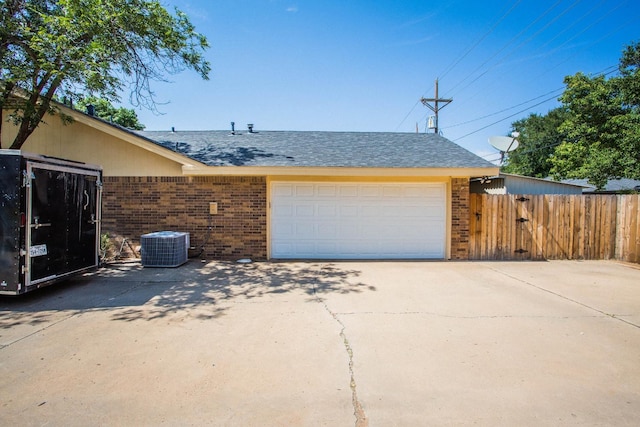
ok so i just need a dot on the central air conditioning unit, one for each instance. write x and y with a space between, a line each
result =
164 249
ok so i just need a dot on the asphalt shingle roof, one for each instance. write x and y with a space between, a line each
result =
624 184
318 149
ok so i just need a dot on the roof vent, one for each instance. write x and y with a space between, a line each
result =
250 127
91 110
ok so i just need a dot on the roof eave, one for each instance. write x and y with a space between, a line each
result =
337 171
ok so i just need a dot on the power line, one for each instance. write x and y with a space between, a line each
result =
408 114
537 33
574 23
507 44
480 40
506 109
531 150
456 62
547 70
566 59
602 73
505 118
465 53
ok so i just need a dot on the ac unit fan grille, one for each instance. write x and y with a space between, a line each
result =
164 249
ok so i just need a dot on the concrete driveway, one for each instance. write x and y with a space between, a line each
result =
327 344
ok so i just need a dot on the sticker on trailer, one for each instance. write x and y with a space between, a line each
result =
37 250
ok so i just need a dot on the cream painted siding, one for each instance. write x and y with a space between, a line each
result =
80 142
358 220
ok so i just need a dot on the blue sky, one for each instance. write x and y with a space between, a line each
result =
364 65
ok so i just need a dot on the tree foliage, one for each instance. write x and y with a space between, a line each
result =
539 137
597 135
105 110
102 47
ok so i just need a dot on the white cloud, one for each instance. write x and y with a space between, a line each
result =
292 9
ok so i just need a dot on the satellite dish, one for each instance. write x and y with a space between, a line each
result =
504 144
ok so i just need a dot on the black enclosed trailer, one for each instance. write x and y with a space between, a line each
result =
50 211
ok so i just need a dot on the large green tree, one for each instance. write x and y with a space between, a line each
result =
594 135
104 47
105 110
602 130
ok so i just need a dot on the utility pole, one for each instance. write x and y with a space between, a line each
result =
436 106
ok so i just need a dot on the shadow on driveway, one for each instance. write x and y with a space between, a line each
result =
205 291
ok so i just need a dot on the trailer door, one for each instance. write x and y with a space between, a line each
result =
63 230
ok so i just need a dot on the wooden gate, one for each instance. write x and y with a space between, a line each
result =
515 227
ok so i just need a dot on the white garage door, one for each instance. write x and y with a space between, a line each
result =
358 220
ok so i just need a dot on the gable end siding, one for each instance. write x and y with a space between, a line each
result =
133 206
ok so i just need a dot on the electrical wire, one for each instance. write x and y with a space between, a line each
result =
602 73
512 40
458 60
605 72
503 110
497 53
505 118
520 45
548 69
464 55
568 58
573 24
480 40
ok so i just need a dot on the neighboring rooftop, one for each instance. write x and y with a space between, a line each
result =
318 149
613 185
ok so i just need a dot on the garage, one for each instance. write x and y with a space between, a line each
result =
360 220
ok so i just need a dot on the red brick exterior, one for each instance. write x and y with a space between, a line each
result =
133 206
460 218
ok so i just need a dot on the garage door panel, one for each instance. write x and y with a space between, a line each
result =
370 211
328 230
358 220
393 191
327 190
283 210
304 190
282 190
326 210
305 230
348 211
370 191
348 191
394 211
305 210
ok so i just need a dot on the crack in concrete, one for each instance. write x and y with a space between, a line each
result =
611 315
358 410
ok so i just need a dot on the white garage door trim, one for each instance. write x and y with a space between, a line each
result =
342 220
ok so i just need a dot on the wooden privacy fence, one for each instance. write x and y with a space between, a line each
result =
537 227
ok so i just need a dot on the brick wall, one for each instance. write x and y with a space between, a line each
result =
460 218
133 206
